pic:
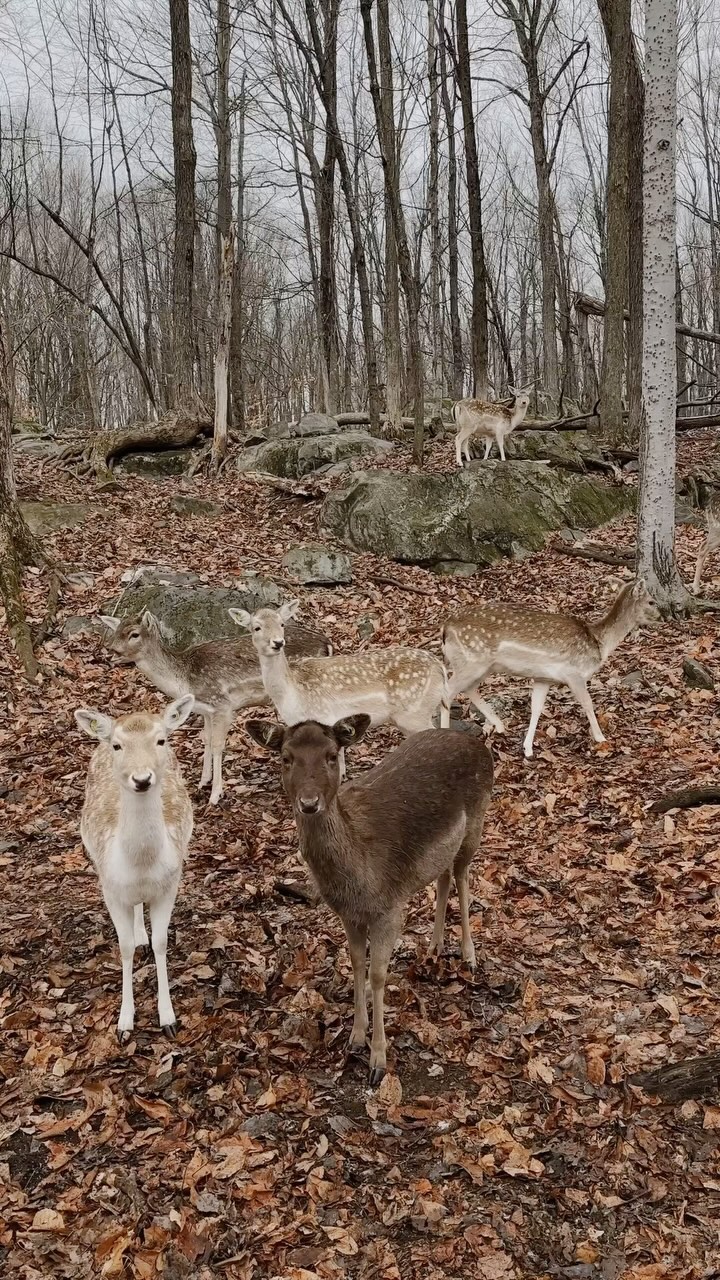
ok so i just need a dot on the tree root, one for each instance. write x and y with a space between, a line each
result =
687 799
178 429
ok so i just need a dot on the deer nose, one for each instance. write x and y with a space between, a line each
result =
309 804
142 781
278 645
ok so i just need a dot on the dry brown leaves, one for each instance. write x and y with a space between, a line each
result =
507 1141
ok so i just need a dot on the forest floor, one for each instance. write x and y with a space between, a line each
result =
507 1142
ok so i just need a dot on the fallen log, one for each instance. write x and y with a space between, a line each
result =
689 798
591 552
178 429
596 307
693 1078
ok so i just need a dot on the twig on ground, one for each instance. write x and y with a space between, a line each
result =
686 799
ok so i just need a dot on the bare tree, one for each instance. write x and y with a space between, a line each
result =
185 159
656 512
472 170
16 544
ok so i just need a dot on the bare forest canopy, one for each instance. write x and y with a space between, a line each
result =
418 195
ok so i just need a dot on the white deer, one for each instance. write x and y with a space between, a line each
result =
136 826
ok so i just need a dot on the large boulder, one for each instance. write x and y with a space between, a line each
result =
471 516
573 450
167 462
298 457
193 611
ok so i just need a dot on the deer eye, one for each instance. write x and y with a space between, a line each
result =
331 759
134 635
161 742
116 746
257 628
286 762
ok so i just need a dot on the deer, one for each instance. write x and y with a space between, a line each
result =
374 842
403 687
136 825
223 675
489 419
546 648
710 544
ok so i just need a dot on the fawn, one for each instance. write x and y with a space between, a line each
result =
404 687
374 842
223 675
547 648
488 419
136 824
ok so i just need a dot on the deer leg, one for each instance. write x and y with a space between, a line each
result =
538 695
206 775
486 710
220 728
488 447
123 918
462 875
501 447
357 946
160 913
699 568
383 936
442 894
458 448
579 691
139 930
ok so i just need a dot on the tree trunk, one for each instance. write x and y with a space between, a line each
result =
325 204
681 377
613 361
477 247
410 283
386 128
456 381
546 235
16 543
184 163
656 511
636 275
237 342
222 351
434 209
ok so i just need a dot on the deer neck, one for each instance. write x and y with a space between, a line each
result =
517 417
276 676
164 666
614 626
141 825
327 846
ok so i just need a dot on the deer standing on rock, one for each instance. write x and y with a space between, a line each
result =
488 419
404 687
373 843
222 675
546 648
136 826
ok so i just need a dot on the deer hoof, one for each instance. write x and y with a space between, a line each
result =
123 1037
376 1075
170 1031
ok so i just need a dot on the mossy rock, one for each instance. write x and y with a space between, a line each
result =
473 516
185 505
49 517
295 458
166 462
195 613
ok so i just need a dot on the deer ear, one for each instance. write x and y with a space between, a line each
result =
289 610
639 589
178 712
266 734
154 625
241 617
351 729
112 624
94 723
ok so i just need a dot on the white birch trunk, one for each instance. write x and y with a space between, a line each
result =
656 512
222 354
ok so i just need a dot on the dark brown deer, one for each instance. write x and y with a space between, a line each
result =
373 843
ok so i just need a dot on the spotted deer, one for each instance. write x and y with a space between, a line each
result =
489 419
373 843
546 648
404 687
222 675
136 824
710 544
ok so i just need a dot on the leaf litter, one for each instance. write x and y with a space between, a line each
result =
507 1140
